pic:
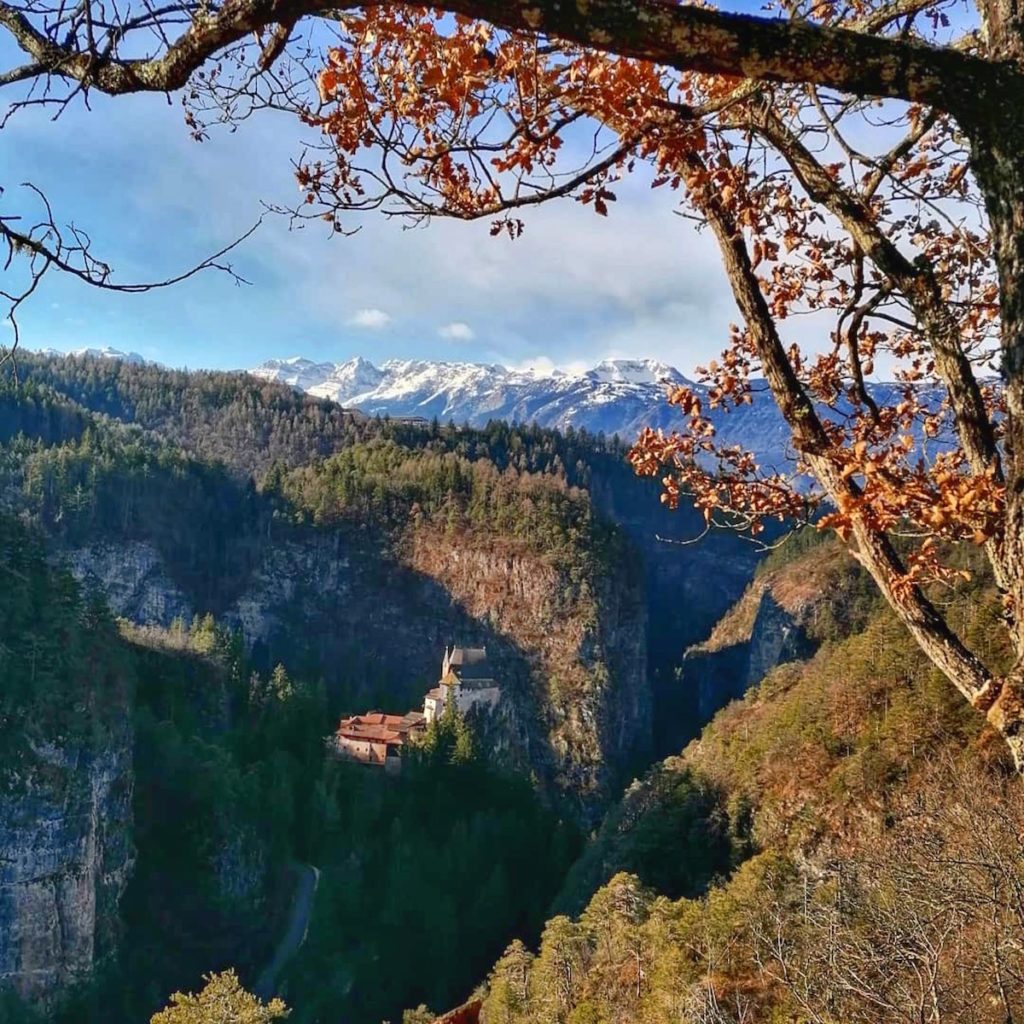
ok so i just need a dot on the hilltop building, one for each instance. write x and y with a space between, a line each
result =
376 738
465 680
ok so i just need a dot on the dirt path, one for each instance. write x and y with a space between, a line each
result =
295 932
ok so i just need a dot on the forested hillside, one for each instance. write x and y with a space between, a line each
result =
238 420
845 840
254 427
324 566
277 562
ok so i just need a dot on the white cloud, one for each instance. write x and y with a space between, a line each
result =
457 330
371 319
573 289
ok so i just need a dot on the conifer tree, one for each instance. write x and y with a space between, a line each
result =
221 1001
509 990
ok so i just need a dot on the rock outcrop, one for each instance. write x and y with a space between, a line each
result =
132 577
783 616
65 858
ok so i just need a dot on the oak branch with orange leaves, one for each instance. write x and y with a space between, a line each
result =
860 164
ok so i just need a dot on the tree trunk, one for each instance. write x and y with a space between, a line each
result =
1003 21
997 158
996 134
1006 715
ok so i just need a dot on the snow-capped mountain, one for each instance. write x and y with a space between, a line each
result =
608 397
635 371
100 353
618 396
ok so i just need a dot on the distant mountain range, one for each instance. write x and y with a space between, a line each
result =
617 396
100 353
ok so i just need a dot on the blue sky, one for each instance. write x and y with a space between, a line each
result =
575 289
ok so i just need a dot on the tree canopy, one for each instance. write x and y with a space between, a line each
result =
222 1001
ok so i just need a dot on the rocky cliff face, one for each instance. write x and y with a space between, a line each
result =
66 703
675 826
65 858
572 661
132 576
688 587
720 674
782 616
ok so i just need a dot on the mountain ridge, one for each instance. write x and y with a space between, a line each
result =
614 397
420 383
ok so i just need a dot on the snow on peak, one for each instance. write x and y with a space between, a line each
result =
110 353
403 376
634 371
296 371
354 376
616 396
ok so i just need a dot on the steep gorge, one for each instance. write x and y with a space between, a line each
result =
576 707
355 576
808 590
336 570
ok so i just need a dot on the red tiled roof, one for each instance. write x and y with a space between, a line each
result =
377 727
374 718
468 1013
371 728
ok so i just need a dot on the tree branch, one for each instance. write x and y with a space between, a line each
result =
688 38
873 548
44 247
916 282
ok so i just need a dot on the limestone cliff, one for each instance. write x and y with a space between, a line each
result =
66 849
571 656
674 826
783 615
65 858
131 575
